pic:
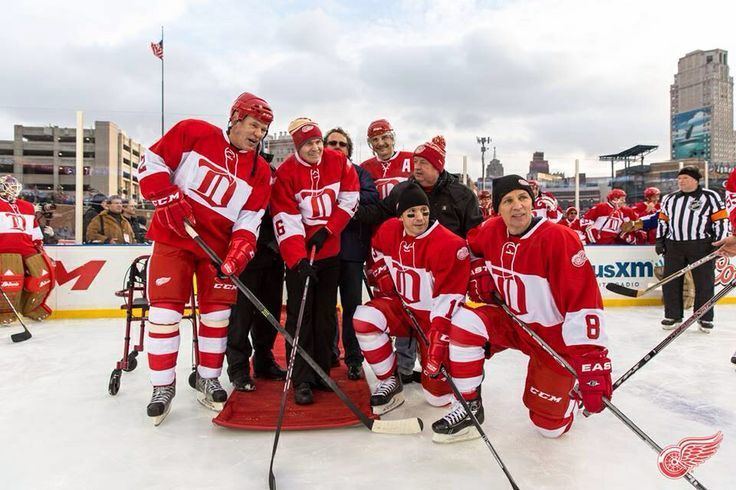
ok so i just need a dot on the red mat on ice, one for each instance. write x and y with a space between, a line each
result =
259 410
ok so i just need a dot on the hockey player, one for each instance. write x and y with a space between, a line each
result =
421 265
215 180
540 271
572 221
647 210
606 219
484 199
388 167
545 204
26 272
314 196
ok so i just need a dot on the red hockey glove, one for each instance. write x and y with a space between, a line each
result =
239 253
381 280
594 377
480 285
173 209
438 352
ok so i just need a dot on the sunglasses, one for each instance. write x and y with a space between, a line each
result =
341 144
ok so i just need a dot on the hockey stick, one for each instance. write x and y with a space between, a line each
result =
459 396
289 372
635 293
412 425
20 336
675 333
562 362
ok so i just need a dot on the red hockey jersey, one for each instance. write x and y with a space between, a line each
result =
575 226
546 279
18 228
307 197
604 223
546 206
430 271
643 212
387 174
217 179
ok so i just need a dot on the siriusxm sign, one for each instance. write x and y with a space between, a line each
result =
629 269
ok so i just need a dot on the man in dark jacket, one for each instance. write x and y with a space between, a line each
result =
355 245
451 203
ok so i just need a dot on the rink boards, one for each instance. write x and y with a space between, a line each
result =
87 276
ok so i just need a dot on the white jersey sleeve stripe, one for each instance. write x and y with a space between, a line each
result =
249 220
153 164
287 225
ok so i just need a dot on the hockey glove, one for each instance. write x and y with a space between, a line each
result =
239 253
480 285
172 209
594 377
381 279
305 270
318 239
438 352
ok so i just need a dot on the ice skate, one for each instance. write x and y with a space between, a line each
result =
457 425
210 393
388 395
161 402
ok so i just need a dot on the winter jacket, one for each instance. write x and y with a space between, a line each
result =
355 241
106 228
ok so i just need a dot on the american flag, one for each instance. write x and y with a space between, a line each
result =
158 49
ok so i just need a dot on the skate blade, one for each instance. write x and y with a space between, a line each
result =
160 418
466 434
670 327
395 402
214 406
705 330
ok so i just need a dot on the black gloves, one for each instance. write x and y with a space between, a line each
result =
318 239
659 247
305 270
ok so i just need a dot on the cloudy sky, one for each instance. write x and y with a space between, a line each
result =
572 78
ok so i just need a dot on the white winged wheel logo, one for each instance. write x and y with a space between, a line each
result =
677 459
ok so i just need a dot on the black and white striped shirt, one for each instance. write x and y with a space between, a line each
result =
697 215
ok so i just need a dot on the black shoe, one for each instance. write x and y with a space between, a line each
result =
269 371
705 326
670 323
355 372
244 383
303 394
414 377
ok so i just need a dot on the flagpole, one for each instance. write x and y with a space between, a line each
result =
162 83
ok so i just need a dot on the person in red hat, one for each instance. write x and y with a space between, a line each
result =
215 180
572 221
484 198
314 196
387 167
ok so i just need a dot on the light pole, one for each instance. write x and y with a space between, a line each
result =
482 141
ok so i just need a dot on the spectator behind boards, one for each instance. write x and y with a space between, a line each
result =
110 226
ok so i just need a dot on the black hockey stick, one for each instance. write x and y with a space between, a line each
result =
675 333
635 293
566 365
459 397
20 336
289 372
412 425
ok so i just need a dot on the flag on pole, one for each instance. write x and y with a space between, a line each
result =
158 49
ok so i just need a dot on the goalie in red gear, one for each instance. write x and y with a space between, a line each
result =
26 272
420 265
217 181
539 269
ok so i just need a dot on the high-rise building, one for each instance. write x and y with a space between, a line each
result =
494 167
280 145
43 159
701 108
538 165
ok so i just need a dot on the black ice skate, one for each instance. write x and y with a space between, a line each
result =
210 393
388 395
670 323
457 425
161 402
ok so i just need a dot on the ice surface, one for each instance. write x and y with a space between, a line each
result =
59 428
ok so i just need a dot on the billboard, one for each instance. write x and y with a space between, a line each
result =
691 134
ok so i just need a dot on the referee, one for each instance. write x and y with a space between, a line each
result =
690 220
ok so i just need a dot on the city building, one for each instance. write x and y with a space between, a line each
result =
494 168
280 145
701 108
537 165
43 159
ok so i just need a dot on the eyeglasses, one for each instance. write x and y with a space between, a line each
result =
341 144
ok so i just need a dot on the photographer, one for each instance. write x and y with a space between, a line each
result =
44 215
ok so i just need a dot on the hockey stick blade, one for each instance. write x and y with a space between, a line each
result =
21 336
623 290
401 426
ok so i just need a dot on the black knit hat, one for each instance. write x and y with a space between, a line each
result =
507 183
411 196
690 170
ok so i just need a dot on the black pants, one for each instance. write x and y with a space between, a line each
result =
267 284
317 331
679 254
351 295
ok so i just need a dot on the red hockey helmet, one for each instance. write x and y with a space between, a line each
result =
248 104
616 194
484 195
379 126
10 188
650 191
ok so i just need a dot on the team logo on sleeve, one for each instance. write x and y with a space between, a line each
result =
463 253
579 259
